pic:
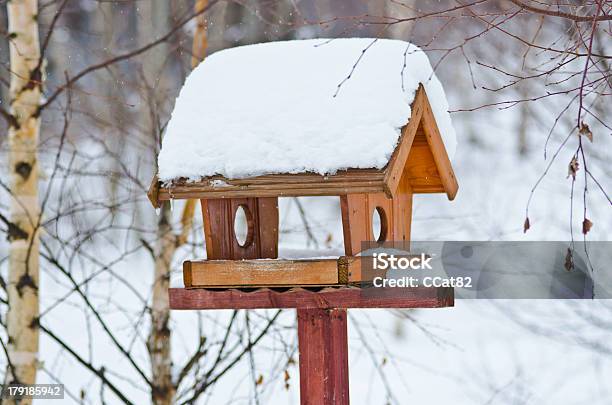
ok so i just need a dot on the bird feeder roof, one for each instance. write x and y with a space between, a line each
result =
307 117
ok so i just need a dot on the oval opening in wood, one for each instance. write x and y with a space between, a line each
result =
243 226
379 224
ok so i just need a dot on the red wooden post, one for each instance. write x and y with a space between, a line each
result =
262 222
322 326
323 345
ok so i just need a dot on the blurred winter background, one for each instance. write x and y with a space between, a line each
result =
101 238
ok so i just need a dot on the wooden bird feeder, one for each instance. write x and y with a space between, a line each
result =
419 164
249 275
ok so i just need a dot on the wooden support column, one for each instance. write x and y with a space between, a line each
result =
322 326
357 211
323 345
402 214
262 221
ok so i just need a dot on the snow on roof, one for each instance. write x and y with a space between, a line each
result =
276 108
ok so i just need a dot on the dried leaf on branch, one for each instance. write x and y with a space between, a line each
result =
586 226
572 168
585 131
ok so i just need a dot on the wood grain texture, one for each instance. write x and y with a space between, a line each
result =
421 171
153 192
278 273
323 345
218 273
402 214
434 139
355 223
357 211
268 220
187 274
396 166
275 185
340 297
262 220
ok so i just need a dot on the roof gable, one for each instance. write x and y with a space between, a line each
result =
421 155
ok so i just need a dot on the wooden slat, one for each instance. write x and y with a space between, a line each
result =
316 190
303 184
395 167
219 273
357 211
341 297
355 223
289 183
323 344
445 169
281 272
299 178
267 217
187 274
421 171
219 234
402 213
424 188
153 192
276 273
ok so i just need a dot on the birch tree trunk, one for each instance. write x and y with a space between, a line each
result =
156 21
24 93
159 343
159 336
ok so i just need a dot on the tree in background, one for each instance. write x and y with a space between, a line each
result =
159 341
24 222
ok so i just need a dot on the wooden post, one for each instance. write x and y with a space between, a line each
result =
262 221
322 326
357 211
323 345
